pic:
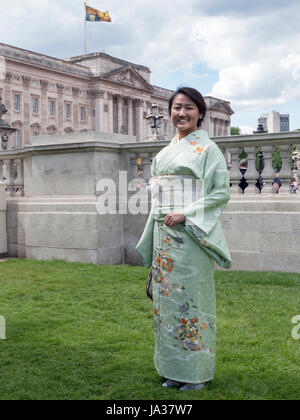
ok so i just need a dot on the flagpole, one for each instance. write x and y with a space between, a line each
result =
85 48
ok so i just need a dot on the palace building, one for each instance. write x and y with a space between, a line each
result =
93 92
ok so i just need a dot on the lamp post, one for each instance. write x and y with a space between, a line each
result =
5 129
154 119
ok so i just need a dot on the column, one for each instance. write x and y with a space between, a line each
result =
91 108
60 107
139 120
130 117
75 91
268 172
99 114
7 96
44 106
110 113
120 113
228 124
26 109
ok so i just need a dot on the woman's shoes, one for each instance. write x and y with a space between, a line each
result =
184 387
193 387
172 384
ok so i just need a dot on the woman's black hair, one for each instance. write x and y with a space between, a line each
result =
194 96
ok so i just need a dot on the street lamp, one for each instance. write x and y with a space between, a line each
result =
5 129
154 119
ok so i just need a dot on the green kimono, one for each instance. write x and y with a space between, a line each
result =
182 258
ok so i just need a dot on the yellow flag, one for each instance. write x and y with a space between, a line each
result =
94 15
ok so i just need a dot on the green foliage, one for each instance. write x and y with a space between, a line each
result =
235 131
80 331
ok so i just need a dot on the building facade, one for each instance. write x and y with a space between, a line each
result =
275 122
94 92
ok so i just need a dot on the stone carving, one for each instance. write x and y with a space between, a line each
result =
3 109
126 77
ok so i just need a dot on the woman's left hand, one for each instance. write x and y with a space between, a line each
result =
173 219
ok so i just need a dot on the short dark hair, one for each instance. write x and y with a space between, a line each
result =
194 96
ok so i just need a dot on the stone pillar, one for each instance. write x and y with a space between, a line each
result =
60 107
91 109
99 109
44 106
3 233
139 120
130 117
26 109
75 91
120 113
7 96
228 124
110 113
268 172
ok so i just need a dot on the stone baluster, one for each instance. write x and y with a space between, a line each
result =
286 172
7 175
19 181
251 175
235 173
268 172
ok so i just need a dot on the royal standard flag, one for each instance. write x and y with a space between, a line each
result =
94 15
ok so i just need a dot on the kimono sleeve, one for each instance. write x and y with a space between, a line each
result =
205 213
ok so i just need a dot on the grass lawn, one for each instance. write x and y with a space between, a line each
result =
80 331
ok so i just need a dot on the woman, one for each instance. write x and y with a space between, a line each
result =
181 242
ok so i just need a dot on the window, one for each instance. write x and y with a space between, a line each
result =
68 111
17 139
17 103
35 106
52 108
82 114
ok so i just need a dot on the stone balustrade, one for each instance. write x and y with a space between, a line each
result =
52 195
233 146
12 168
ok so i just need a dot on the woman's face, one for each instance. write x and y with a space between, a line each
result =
185 114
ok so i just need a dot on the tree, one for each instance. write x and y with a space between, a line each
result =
235 131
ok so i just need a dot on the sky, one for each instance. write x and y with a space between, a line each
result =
244 51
